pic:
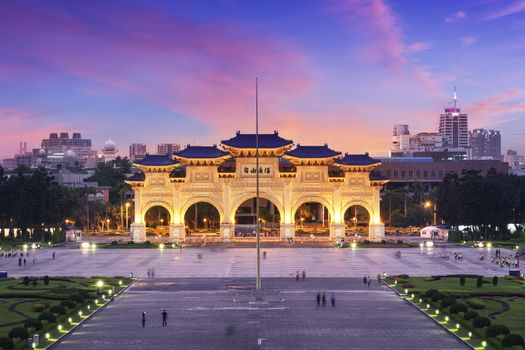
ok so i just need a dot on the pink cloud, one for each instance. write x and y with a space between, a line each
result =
456 17
418 47
469 40
492 109
513 8
378 26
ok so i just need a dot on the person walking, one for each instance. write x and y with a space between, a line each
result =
19 261
303 275
164 318
368 281
332 299
324 299
318 298
364 280
143 319
297 275
149 273
53 255
25 261
264 255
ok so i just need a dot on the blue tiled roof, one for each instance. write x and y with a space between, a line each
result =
136 177
155 160
265 141
201 152
312 152
377 177
357 160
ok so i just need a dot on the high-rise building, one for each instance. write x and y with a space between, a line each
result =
400 137
168 148
55 144
137 151
485 144
454 125
514 159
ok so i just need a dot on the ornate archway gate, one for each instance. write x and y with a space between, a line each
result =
289 176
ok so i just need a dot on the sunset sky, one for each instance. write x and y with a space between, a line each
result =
340 72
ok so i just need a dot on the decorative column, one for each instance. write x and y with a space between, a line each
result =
137 230
287 227
227 227
177 233
376 230
337 225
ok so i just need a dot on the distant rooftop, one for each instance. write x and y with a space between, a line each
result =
201 152
248 141
156 160
312 152
357 160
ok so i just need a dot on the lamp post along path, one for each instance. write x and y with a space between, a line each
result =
257 227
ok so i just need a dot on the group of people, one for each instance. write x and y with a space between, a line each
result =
151 272
397 255
13 253
458 256
508 261
321 299
164 315
367 280
301 275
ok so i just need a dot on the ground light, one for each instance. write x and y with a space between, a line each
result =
89 307
447 318
80 313
353 245
406 291
100 283
33 345
85 245
59 327
119 283
437 312
161 246
489 245
24 247
70 320
484 344
470 334
47 335
457 326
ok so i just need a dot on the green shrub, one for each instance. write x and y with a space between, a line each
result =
481 322
437 296
458 307
399 241
78 298
407 285
511 340
475 303
35 324
58 309
70 304
26 281
447 301
46 280
47 316
495 281
495 330
39 307
383 241
479 281
114 242
34 282
470 315
6 343
131 242
147 242
462 281
431 292
18 332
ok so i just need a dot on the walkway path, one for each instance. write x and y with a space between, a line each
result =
240 262
202 315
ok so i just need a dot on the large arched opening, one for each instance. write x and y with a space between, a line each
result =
157 220
202 218
246 214
357 220
312 219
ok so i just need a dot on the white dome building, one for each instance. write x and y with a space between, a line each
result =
109 151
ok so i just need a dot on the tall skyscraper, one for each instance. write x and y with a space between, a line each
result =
167 148
454 125
485 144
137 151
62 144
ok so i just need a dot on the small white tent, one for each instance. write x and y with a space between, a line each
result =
435 232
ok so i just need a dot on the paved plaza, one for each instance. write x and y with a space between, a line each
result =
202 314
240 262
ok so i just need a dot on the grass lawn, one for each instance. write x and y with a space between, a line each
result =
504 304
126 245
19 303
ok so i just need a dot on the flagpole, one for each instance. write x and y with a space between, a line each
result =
257 229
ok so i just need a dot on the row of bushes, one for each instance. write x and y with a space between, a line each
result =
491 331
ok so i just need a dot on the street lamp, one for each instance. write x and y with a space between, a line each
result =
107 221
429 204
205 223
302 223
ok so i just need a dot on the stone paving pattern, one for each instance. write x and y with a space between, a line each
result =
240 262
203 315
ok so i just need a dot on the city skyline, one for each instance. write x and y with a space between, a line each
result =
154 72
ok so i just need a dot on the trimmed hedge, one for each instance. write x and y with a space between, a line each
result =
78 298
6 343
429 293
70 304
31 323
481 322
462 281
447 301
458 307
495 330
47 316
475 303
58 309
437 296
511 340
470 315
18 332
39 307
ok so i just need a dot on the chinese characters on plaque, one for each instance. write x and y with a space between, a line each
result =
252 170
